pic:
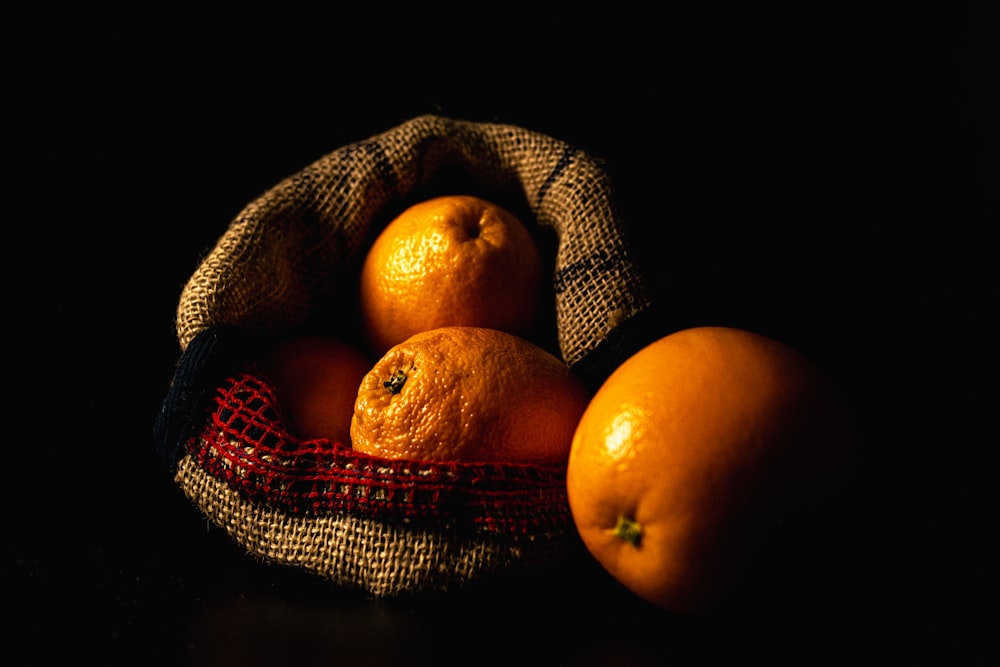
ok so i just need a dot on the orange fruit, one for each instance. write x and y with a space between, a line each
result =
468 394
316 379
689 453
453 260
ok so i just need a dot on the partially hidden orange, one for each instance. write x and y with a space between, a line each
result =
689 453
453 260
316 379
468 394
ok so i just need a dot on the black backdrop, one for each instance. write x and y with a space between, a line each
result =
825 179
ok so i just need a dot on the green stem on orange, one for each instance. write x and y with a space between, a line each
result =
395 382
628 529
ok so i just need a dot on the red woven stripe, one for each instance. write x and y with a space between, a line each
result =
246 444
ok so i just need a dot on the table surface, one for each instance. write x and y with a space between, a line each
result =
784 195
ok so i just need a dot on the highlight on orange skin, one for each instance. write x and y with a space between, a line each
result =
449 261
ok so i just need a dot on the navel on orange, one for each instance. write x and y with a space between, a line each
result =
453 260
687 453
468 394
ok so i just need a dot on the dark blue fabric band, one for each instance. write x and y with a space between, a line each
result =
210 357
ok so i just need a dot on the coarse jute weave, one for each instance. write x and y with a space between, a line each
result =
380 526
272 267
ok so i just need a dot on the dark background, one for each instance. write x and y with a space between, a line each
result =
825 178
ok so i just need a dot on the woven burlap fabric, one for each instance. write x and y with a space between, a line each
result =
381 558
278 260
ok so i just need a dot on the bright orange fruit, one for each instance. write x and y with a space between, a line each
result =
316 380
687 453
453 260
468 394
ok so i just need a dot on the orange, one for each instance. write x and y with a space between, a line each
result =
316 379
453 260
690 451
468 394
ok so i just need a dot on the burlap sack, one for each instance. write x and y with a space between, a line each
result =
287 262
